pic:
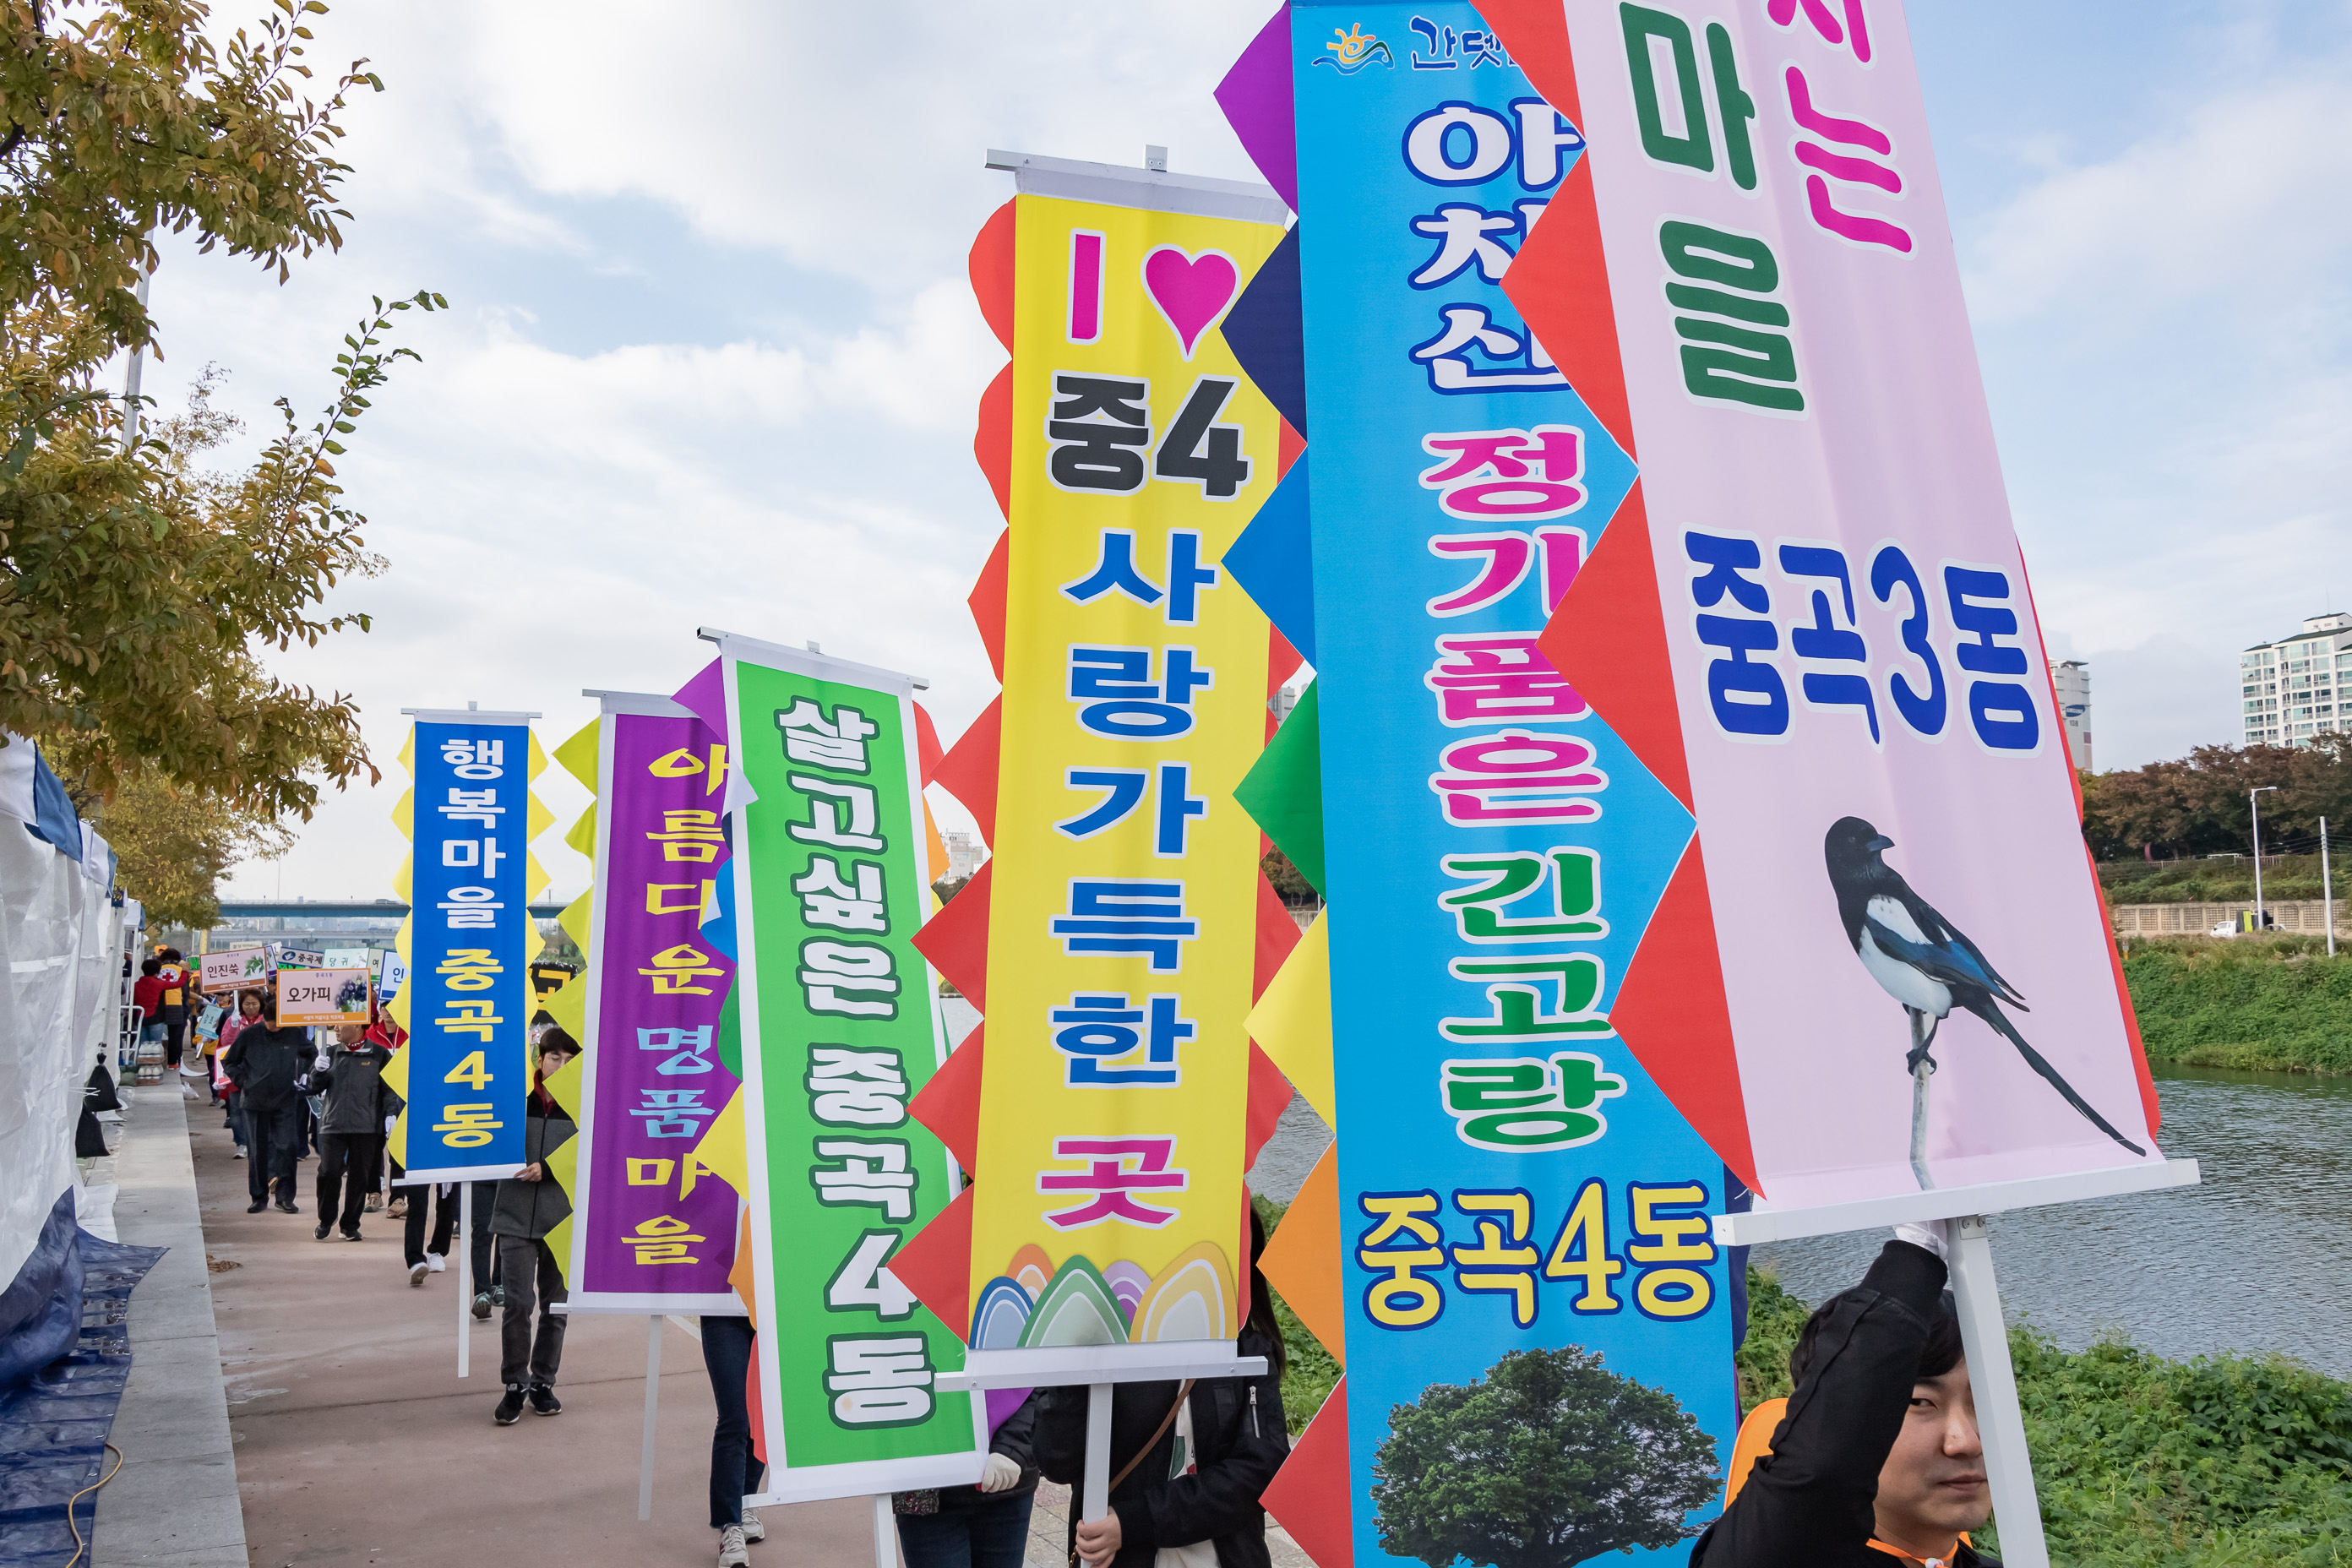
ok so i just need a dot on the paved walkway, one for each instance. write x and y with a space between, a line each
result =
356 1443
175 1498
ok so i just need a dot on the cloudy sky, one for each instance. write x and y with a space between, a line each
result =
711 359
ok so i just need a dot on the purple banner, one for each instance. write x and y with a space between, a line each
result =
663 1053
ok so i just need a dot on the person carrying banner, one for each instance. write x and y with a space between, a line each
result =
1189 1463
983 1526
350 1133
1876 1455
266 1064
530 1206
735 1469
247 1011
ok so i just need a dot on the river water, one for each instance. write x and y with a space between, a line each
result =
2253 1259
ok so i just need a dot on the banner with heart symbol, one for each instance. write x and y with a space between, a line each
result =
1116 942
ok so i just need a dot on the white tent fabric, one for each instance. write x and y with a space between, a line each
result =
44 1028
16 777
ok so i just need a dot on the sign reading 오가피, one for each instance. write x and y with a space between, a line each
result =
321 997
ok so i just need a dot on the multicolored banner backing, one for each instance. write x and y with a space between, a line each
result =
1123 906
468 943
1826 643
841 1030
652 1228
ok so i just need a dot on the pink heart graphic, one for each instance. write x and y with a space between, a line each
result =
1190 291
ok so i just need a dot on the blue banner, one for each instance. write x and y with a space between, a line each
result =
468 987
1524 1216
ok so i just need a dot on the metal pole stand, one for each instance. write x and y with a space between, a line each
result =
1992 1382
653 1405
465 1278
1098 1367
886 1532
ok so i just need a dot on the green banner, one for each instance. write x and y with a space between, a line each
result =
841 1030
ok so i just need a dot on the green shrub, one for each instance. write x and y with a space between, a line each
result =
2268 1004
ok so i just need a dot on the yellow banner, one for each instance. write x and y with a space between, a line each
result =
1122 926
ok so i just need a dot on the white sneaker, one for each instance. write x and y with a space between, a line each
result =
752 1529
731 1548
437 1263
416 1276
240 1152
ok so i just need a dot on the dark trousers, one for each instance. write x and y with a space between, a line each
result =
344 1159
270 1139
971 1529
175 1030
485 1262
735 1472
527 1268
443 1201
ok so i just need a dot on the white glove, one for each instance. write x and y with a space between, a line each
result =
321 1065
1934 1234
1002 1473
388 1122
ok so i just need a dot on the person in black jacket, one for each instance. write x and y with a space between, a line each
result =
982 1526
268 1065
1878 1455
1200 1483
351 1134
530 1206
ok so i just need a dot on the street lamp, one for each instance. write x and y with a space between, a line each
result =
2254 804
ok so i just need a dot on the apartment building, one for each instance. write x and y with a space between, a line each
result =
2289 687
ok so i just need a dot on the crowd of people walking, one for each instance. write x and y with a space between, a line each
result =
1186 1497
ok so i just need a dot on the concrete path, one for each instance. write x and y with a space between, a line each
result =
175 1500
357 1444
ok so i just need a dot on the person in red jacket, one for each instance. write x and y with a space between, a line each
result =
147 996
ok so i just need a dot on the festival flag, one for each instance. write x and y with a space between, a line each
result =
652 1228
1117 938
1811 619
468 943
1510 1202
840 1024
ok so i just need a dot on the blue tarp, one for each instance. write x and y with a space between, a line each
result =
40 1311
54 1427
53 811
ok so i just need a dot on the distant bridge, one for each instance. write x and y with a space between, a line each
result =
317 909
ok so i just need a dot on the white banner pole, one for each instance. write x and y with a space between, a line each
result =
2000 1423
1097 1495
652 1402
886 1534
465 1276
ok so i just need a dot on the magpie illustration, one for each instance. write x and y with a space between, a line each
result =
1919 959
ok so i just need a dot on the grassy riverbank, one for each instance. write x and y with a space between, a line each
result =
2285 878
2262 1004
2221 1462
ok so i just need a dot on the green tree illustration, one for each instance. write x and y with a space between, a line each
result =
1549 1459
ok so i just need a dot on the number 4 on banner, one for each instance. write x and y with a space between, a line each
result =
863 1281
473 1070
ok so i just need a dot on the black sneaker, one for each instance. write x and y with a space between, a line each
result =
351 1236
256 1206
543 1401
497 1295
510 1410
482 1304
321 1234
285 1207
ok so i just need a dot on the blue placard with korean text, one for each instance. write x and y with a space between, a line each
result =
468 990
1512 1183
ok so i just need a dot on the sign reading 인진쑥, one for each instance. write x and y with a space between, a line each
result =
841 1030
228 971
321 997
390 974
